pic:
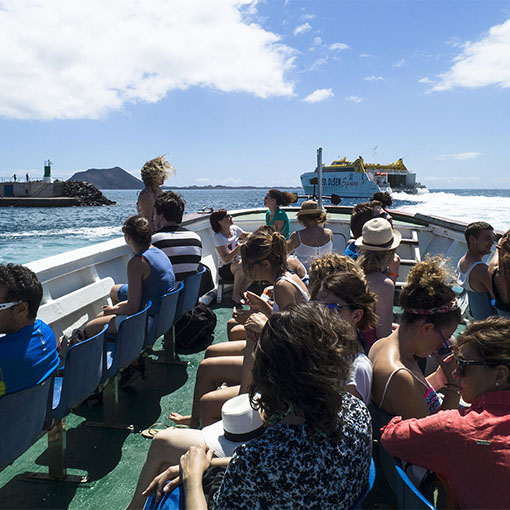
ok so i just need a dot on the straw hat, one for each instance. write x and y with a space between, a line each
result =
238 425
377 235
309 207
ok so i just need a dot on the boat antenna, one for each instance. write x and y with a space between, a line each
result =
319 171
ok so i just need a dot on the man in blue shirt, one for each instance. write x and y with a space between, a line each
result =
28 352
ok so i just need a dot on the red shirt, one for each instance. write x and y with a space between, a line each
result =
469 447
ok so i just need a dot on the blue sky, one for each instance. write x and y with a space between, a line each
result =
243 92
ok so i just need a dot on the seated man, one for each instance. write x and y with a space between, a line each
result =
182 246
28 352
472 272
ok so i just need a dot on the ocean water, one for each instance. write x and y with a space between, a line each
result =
28 234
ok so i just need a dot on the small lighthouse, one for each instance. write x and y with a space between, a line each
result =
47 171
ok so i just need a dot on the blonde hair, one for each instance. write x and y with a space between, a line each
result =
372 261
329 264
264 245
156 169
319 217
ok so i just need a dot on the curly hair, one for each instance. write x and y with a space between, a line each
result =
264 245
156 169
282 197
352 289
372 261
216 217
139 229
327 265
491 337
302 361
427 288
384 197
21 284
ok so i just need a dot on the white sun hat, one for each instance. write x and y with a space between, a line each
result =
377 235
239 424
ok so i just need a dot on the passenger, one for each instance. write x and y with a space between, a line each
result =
349 295
264 258
314 241
473 273
499 272
430 317
378 243
469 447
154 174
386 201
276 216
28 352
227 240
328 265
182 246
361 213
150 275
310 456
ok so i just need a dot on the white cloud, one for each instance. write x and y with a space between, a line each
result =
233 181
319 95
373 78
306 17
316 42
402 62
203 180
320 62
338 46
462 156
365 55
481 63
425 80
451 180
354 99
301 29
82 59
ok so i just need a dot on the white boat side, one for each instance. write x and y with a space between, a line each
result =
76 283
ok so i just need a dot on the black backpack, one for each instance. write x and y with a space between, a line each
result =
194 327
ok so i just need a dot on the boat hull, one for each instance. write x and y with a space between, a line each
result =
344 184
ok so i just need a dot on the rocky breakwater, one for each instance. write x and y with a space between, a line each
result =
86 194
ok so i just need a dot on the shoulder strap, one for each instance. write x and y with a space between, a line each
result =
298 287
389 380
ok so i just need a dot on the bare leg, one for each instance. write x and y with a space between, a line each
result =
237 333
114 296
166 450
225 349
212 402
95 326
211 373
241 281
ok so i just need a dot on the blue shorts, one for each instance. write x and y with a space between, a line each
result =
122 293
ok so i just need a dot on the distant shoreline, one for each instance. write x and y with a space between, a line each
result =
221 186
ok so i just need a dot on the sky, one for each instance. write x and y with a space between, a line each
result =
243 92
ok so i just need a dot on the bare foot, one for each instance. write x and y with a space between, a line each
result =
179 419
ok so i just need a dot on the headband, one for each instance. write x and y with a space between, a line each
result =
447 307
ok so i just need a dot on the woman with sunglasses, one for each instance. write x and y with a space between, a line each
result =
430 317
228 240
468 446
348 294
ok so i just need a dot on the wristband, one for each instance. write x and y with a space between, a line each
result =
393 275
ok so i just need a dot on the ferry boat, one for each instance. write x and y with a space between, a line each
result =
76 284
357 179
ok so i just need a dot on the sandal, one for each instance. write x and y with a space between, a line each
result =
154 430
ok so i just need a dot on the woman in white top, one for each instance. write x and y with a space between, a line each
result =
227 240
314 241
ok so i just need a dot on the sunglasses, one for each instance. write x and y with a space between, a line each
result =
333 306
446 348
10 304
463 363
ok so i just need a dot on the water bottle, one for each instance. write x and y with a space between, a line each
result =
208 298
